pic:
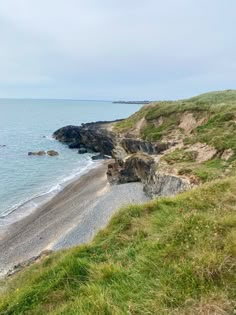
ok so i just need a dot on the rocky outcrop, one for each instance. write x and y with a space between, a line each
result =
68 134
158 184
132 145
133 161
94 136
135 168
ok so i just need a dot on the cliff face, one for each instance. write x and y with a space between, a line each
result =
169 146
133 158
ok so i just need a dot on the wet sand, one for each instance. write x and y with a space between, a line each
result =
72 217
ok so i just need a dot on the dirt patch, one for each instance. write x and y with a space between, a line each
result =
226 155
189 123
204 151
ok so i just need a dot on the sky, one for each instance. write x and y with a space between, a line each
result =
110 49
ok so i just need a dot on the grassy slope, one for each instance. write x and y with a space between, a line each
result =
172 256
219 130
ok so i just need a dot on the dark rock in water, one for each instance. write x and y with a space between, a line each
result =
101 157
96 136
40 153
2 145
75 145
82 151
68 134
52 153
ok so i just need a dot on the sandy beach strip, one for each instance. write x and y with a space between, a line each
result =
72 217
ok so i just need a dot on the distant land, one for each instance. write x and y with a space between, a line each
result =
131 102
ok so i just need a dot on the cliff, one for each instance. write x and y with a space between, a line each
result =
189 142
168 256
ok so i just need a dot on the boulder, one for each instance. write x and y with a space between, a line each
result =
52 153
82 151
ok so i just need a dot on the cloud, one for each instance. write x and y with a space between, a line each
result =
113 49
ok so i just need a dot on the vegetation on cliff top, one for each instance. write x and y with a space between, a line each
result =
218 130
169 256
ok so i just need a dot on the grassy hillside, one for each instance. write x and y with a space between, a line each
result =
169 256
219 129
206 119
172 256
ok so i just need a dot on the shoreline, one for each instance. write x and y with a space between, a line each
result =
27 206
72 217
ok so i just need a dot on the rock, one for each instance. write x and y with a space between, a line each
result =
165 185
75 145
100 157
40 153
136 168
68 134
132 145
2 145
52 153
95 136
82 151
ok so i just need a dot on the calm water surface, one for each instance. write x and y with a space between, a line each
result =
27 125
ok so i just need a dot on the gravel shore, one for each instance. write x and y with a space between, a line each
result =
72 217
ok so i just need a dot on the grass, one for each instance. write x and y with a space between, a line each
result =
180 156
169 256
219 130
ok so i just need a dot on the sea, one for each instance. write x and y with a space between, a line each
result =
27 125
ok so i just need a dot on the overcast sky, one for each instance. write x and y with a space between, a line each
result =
110 49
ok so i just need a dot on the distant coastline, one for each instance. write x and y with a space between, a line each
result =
131 102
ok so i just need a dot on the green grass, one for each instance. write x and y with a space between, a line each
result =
219 130
169 256
180 156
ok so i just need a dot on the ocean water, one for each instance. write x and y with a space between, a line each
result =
27 125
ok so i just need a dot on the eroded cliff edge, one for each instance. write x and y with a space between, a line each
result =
168 146
134 160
